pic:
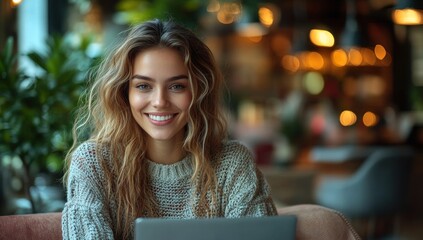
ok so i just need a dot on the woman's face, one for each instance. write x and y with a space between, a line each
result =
160 94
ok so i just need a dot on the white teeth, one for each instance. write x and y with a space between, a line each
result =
160 118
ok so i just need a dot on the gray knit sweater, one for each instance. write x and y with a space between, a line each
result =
88 214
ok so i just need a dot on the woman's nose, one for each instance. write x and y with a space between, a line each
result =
160 98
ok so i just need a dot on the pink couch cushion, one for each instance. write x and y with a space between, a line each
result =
31 226
313 223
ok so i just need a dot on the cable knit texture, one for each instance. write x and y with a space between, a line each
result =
88 214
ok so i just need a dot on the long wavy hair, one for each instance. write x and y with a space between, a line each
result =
106 115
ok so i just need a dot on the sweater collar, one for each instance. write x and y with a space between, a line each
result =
170 172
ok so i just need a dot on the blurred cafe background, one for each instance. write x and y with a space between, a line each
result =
328 95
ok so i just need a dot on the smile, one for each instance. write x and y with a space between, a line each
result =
160 118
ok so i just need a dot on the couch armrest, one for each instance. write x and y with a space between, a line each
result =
320 223
31 226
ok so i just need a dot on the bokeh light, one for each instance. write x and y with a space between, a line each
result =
266 16
313 82
347 118
370 119
322 38
339 58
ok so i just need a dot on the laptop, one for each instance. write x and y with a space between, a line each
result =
246 228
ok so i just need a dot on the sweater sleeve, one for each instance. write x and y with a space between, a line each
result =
85 215
247 191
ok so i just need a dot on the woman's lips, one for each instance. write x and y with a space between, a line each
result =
161 119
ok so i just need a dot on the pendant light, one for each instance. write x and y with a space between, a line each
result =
408 12
353 35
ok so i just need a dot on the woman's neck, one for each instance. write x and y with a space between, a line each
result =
165 152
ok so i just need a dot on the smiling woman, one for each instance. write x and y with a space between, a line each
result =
158 142
159 97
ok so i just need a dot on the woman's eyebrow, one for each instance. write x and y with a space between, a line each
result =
178 77
174 78
141 77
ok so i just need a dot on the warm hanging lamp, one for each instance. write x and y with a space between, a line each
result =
307 52
300 39
353 35
408 12
355 46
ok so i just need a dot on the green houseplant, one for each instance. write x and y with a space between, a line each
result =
36 113
183 11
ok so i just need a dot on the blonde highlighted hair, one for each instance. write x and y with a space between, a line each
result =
106 115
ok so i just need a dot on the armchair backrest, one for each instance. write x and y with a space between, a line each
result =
382 179
320 223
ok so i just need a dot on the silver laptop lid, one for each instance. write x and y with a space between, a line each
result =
246 228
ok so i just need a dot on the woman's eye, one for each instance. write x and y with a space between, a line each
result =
177 87
143 87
